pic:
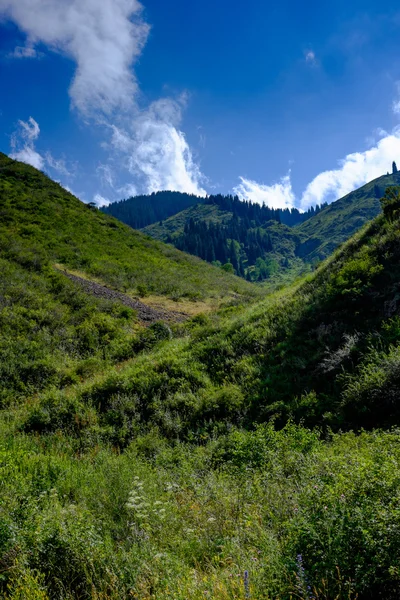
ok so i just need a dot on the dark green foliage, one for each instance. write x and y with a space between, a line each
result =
206 230
140 211
391 202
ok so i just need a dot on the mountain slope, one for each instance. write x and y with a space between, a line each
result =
70 275
140 211
174 226
336 223
290 248
41 223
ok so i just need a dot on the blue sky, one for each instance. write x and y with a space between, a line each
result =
289 103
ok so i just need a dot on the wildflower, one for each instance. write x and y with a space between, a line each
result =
302 584
246 585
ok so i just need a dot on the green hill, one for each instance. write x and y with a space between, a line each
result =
235 452
42 223
261 246
47 234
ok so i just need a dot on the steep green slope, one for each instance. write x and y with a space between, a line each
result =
336 223
41 224
298 353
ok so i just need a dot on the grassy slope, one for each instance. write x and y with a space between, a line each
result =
322 234
42 222
51 332
194 499
301 352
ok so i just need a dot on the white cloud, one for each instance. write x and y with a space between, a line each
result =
23 143
100 200
310 57
58 165
128 190
23 149
156 152
354 170
396 107
25 52
278 195
106 175
105 38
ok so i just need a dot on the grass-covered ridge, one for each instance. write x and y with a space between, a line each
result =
42 223
165 462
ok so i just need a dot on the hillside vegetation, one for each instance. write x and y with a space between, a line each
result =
278 247
42 224
232 455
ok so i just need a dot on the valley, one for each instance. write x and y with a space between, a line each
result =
167 426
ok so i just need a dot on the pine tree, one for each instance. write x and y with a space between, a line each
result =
394 167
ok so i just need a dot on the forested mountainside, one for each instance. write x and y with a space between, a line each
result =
140 211
235 452
257 248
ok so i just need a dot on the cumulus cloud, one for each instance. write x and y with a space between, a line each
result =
278 195
156 152
23 143
105 39
353 171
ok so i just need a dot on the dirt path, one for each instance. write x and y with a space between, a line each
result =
145 313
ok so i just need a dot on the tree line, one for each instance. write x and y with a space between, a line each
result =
140 211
